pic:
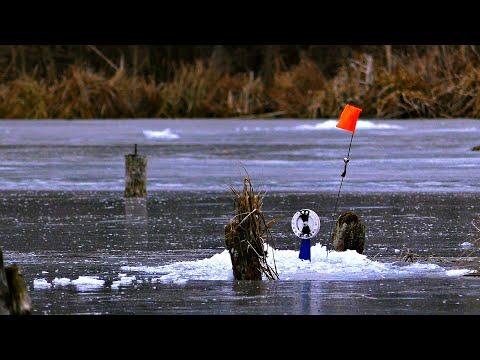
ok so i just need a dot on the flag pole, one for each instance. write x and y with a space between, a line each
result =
348 121
345 160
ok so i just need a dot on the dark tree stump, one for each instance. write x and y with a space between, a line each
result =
14 296
349 233
4 292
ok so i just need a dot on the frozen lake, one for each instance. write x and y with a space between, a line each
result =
84 249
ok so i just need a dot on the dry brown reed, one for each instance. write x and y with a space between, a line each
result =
294 91
408 256
200 90
249 233
25 98
467 260
83 94
441 82
469 255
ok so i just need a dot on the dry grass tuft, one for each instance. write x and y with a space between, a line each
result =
248 235
25 98
440 82
293 91
466 260
469 255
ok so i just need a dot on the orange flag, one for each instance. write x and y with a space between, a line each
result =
349 117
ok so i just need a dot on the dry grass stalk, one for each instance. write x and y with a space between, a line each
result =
25 98
293 91
442 82
188 94
468 254
248 235
464 261
407 256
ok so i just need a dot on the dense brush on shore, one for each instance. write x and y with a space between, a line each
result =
436 82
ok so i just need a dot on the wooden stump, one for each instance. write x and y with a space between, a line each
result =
4 292
14 296
349 233
135 175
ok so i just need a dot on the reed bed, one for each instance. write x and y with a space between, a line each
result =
441 82
293 92
25 97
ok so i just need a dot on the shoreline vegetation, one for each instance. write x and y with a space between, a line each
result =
225 81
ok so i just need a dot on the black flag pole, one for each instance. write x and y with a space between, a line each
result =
346 161
348 121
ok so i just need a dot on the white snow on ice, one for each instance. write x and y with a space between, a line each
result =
361 124
333 265
323 125
457 272
41 284
124 281
82 283
347 265
166 134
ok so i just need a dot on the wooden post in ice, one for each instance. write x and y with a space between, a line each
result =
14 297
135 175
349 233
